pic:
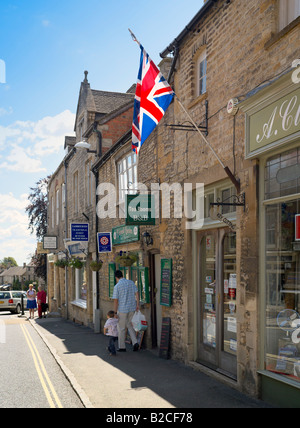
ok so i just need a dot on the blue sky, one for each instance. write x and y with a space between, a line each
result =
46 46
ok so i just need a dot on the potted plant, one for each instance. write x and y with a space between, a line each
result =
95 265
61 263
76 263
126 259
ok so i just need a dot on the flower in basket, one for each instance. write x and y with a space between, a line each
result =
95 265
76 263
126 258
61 263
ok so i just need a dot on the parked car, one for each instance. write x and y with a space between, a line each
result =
12 301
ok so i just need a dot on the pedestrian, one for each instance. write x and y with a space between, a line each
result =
31 300
126 302
111 331
41 302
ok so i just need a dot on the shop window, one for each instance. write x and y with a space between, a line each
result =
289 10
138 274
282 174
282 260
127 176
80 288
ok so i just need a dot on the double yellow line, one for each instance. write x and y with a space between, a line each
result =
53 399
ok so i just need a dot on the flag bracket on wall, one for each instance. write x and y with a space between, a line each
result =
188 126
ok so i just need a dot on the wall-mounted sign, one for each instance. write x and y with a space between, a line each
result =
50 242
104 242
79 232
125 234
140 210
273 116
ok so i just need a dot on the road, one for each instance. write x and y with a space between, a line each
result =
29 375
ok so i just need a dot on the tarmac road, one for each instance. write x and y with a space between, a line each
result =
29 375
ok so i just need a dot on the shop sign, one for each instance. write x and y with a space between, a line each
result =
125 234
273 116
50 242
279 120
80 232
140 210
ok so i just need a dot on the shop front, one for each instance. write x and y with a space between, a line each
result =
273 137
128 257
216 286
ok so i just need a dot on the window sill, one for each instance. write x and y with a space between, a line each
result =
79 303
197 100
275 37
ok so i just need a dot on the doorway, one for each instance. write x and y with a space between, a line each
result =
217 303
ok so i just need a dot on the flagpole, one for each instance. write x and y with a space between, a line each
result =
198 130
226 169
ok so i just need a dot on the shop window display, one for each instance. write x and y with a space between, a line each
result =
282 256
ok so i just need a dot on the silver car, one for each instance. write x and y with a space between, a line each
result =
12 301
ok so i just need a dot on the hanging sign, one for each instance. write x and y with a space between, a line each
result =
140 210
79 232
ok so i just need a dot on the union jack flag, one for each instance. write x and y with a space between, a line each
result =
153 97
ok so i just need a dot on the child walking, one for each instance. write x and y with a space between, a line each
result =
111 331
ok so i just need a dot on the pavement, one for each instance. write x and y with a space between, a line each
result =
131 379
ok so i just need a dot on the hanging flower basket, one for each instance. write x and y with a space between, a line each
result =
61 263
126 259
76 263
96 266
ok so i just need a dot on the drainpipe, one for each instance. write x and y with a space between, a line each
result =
99 151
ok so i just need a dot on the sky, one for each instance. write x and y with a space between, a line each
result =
45 46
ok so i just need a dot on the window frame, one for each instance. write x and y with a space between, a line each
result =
201 77
288 11
123 176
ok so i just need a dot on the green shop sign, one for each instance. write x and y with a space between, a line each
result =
140 210
125 234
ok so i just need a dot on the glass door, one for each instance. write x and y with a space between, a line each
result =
228 361
207 352
217 317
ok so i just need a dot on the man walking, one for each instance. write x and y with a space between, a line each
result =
126 302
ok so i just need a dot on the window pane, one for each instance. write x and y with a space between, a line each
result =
208 290
282 291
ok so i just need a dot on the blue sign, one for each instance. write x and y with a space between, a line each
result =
104 242
80 232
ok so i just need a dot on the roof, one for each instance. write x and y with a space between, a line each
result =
188 28
101 102
106 102
14 271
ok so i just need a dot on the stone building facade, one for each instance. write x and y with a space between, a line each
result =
231 274
230 51
101 119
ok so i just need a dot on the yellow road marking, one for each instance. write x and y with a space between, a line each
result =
36 359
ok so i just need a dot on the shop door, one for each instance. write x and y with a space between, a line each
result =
217 314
